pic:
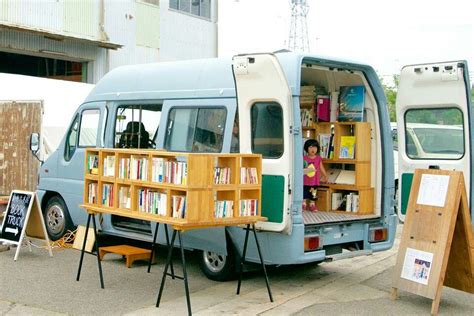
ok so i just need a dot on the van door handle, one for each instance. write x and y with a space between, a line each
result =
433 167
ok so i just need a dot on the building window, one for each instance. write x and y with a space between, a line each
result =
200 8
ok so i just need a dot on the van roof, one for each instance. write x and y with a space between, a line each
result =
209 78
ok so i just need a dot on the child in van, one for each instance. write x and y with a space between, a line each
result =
313 172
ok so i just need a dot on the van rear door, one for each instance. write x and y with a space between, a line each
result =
434 123
263 100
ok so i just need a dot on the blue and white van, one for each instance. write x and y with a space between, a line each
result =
194 106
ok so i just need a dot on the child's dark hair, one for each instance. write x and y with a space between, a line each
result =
311 142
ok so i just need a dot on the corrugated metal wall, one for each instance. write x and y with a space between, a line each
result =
70 17
148 33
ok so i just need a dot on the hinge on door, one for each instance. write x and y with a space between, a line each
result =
289 185
295 130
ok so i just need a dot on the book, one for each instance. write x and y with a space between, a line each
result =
325 145
351 103
336 201
347 148
346 177
323 108
332 174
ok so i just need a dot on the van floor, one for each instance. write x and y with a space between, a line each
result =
332 217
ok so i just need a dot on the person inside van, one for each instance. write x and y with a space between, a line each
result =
134 136
313 172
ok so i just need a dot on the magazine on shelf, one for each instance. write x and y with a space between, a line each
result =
351 103
347 148
346 177
332 174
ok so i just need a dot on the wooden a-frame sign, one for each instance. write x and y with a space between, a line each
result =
437 246
23 218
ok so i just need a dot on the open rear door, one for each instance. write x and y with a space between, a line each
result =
264 102
433 122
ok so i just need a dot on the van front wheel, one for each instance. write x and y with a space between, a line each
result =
56 218
218 267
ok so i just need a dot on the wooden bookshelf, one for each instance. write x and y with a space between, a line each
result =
360 164
186 190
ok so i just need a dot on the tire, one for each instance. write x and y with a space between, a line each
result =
218 267
57 218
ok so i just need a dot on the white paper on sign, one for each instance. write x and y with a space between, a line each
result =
433 190
417 266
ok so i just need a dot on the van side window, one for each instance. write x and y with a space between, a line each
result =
82 133
195 130
434 133
267 129
136 125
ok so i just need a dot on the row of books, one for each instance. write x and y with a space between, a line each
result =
248 207
92 194
224 209
133 168
108 195
93 164
349 106
222 175
346 147
348 202
178 206
165 171
152 202
248 175
109 166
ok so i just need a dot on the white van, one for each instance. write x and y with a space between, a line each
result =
192 106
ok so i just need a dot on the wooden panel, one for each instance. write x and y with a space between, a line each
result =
19 168
429 229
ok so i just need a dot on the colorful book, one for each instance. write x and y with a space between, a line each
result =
351 103
323 108
347 147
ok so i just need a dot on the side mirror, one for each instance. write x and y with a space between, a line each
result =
34 142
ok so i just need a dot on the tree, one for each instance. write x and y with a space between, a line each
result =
391 95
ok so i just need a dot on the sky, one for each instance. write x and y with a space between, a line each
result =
385 34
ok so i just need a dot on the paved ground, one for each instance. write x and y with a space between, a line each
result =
39 285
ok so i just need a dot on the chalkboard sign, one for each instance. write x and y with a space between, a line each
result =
15 215
23 217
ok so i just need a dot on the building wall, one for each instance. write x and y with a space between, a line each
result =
184 36
148 33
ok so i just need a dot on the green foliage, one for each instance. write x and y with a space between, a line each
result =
435 116
391 95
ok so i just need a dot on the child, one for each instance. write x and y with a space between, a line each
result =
313 172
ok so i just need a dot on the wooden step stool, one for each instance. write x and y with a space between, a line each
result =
129 252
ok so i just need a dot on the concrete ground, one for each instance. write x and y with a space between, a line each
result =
40 285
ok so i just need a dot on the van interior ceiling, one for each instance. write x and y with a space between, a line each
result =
330 79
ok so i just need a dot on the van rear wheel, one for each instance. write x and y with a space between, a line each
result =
56 218
218 267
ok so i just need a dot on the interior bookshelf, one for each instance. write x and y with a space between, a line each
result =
346 148
351 154
175 188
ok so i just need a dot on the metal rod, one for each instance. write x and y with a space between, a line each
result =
97 250
165 272
242 260
263 264
153 245
83 247
183 262
168 244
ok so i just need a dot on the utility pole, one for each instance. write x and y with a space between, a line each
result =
298 39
